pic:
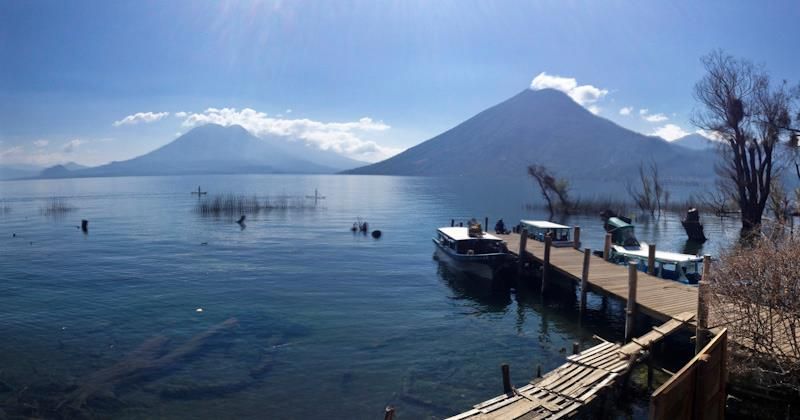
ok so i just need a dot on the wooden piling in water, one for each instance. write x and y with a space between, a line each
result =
630 310
651 259
607 247
523 242
452 222
548 244
485 224
506 379
701 332
85 225
587 255
576 347
576 238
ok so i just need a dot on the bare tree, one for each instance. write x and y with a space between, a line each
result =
652 197
751 116
550 185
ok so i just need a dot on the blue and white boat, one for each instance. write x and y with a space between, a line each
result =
471 251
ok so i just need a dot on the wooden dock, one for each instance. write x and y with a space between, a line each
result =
574 385
655 297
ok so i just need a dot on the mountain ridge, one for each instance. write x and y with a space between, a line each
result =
545 127
216 149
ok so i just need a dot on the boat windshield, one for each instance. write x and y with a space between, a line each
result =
625 236
479 247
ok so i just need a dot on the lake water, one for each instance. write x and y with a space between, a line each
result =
328 321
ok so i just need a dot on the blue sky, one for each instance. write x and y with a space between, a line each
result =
366 78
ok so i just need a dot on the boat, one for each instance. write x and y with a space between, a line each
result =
625 248
538 229
471 250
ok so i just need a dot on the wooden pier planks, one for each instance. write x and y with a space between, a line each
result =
656 297
573 385
560 393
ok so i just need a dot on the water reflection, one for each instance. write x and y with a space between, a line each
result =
692 247
488 295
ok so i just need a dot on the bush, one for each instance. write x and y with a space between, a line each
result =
755 292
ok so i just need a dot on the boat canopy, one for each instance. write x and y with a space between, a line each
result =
462 234
616 223
543 224
621 232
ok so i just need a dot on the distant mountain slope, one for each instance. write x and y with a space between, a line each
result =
18 171
694 141
214 149
545 127
65 170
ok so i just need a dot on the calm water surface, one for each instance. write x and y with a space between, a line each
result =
328 322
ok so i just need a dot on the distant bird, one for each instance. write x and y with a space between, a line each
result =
204 243
241 219
376 234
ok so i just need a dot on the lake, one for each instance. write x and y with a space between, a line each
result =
327 321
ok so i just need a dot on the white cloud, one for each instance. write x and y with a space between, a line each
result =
585 95
711 135
10 153
144 117
288 111
670 132
72 145
594 109
654 118
625 110
41 143
37 156
341 137
643 111
181 114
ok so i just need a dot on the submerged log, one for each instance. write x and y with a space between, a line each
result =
147 359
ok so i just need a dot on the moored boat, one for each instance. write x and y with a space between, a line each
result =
470 250
625 248
538 229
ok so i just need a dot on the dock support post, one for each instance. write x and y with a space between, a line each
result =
576 238
538 371
576 347
85 225
452 222
523 242
650 370
630 310
389 413
506 379
548 243
651 259
485 224
587 254
701 333
607 247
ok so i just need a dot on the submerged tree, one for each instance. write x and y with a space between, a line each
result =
751 116
652 197
549 185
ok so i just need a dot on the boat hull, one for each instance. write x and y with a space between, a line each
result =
484 266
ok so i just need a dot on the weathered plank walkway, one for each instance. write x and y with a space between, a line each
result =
575 384
655 297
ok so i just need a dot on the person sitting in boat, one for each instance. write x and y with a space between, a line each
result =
500 227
